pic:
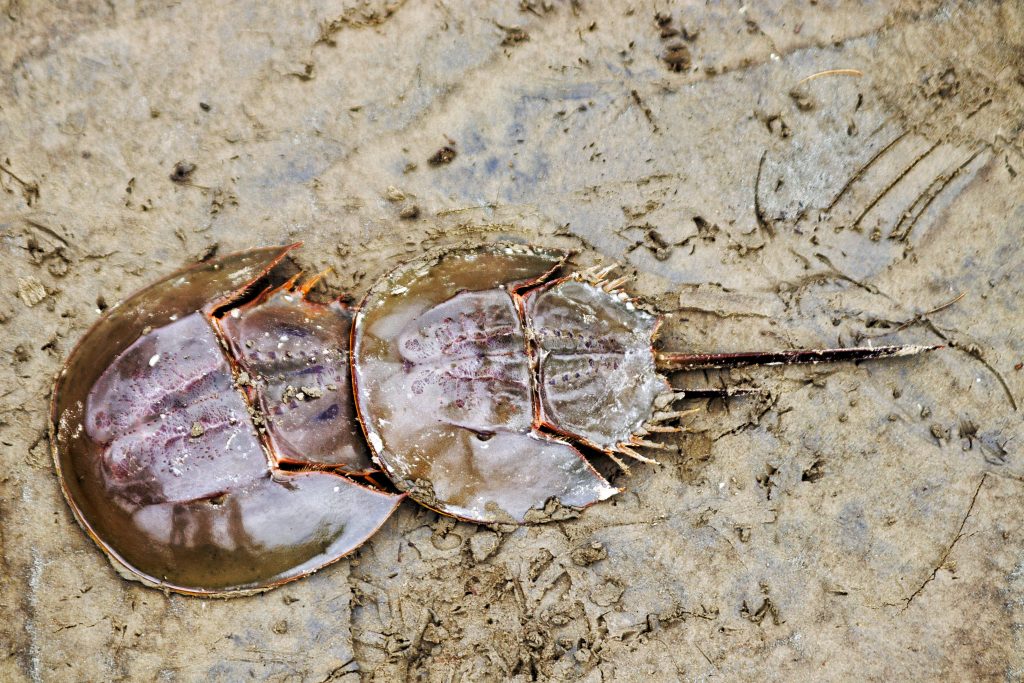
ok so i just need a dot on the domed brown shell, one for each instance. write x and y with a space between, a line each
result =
475 373
171 458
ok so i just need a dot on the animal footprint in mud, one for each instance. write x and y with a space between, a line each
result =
208 431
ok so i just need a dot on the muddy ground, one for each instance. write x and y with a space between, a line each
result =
774 174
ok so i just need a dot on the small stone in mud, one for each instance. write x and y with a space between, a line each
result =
535 639
197 430
443 156
182 171
677 57
483 544
514 35
802 98
312 392
434 634
31 291
588 555
256 417
409 212
553 510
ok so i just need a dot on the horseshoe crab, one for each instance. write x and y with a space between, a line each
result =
478 372
208 431
185 443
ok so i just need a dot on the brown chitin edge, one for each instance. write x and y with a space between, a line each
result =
252 395
120 565
540 418
514 290
131 573
214 306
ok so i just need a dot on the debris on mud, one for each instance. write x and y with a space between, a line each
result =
443 156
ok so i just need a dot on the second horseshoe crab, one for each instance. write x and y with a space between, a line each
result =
478 372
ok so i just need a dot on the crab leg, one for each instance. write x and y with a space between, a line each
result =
668 415
311 282
615 284
618 461
626 450
708 361
637 441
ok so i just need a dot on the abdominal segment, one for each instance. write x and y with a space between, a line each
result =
295 356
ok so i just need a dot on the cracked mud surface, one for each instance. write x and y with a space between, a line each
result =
853 522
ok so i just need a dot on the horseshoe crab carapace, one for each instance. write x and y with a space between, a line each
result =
209 446
478 372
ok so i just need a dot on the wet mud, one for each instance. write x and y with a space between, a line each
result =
770 176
